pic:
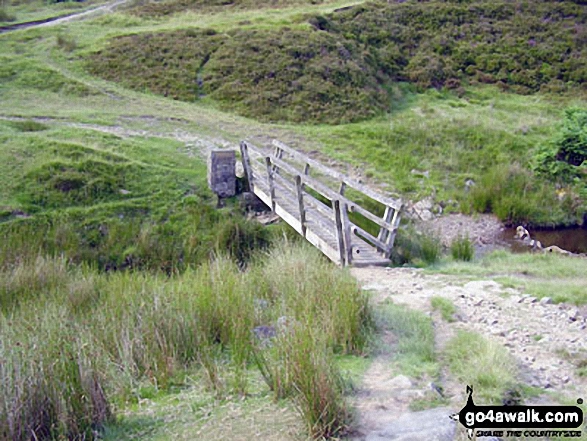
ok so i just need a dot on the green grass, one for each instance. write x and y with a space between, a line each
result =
109 201
484 136
561 278
169 7
338 70
164 349
446 308
415 354
480 133
193 412
482 364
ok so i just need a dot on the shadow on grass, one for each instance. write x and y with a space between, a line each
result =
132 427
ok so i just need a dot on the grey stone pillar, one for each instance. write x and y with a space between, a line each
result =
222 173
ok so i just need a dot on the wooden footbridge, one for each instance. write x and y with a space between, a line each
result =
299 190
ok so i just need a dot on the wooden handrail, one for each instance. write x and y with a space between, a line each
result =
396 204
331 194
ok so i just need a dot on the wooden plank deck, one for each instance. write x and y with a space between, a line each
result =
282 186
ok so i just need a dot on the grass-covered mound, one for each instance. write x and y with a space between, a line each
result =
30 74
111 202
168 7
294 75
285 74
341 70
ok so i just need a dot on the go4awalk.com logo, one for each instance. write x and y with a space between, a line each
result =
526 421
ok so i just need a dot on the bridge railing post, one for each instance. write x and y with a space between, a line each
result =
271 182
247 165
278 154
384 232
300 191
339 231
390 238
347 234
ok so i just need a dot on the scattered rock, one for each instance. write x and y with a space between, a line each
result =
546 301
423 209
400 382
573 314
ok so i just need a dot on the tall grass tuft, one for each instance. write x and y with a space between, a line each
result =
431 248
317 383
515 196
52 378
306 289
461 248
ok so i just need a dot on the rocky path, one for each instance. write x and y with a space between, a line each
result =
546 341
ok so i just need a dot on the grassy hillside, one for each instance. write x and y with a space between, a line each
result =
339 67
20 11
157 9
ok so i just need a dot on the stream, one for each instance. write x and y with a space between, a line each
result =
572 239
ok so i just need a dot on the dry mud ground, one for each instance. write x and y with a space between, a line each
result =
542 338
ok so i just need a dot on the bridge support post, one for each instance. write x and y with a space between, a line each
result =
221 173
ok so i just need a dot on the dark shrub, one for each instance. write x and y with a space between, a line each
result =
568 150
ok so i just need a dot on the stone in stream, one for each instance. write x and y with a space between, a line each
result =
427 425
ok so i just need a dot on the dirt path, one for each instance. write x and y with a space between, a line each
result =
53 21
545 339
195 145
